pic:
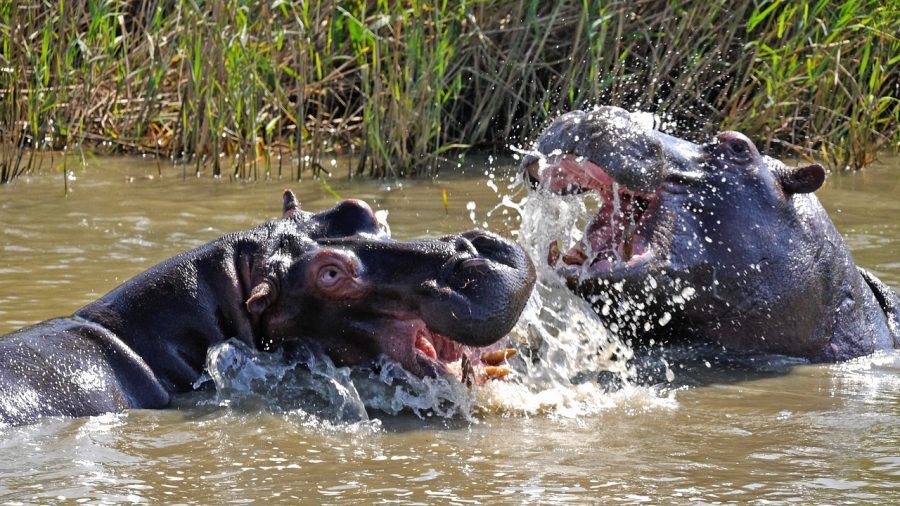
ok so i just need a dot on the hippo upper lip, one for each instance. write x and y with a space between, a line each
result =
608 137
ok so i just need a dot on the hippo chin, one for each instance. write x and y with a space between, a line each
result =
712 242
333 278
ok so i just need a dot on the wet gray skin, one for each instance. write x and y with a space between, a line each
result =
333 279
712 242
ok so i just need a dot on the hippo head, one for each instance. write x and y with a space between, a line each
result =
343 283
711 240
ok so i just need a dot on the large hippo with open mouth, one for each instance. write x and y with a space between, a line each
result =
333 277
713 242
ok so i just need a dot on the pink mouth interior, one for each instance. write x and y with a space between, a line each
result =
614 237
424 346
437 347
430 351
445 355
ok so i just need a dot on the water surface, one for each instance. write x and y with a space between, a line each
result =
810 434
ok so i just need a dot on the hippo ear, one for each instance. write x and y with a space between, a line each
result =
806 179
291 204
262 296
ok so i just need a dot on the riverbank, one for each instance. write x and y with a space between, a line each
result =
402 85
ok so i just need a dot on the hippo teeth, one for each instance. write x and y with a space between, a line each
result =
438 355
623 249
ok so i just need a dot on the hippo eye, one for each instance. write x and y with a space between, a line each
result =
330 275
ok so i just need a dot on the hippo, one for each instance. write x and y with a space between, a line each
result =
334 279
711 243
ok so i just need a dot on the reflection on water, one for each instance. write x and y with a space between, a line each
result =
738 433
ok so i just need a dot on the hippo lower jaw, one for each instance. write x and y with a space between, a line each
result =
418 348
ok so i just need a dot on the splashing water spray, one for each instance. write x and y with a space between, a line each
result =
569 364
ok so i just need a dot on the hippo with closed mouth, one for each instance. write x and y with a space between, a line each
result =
714 242
332 278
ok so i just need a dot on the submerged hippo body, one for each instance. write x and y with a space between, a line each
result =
713 242
332 277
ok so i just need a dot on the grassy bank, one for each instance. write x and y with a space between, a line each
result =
275 87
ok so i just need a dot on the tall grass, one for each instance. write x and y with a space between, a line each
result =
254 89
830 90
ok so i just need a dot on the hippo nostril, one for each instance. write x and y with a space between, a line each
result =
471 263
482 240
464 245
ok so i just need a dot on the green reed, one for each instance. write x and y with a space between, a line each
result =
251 89
830 75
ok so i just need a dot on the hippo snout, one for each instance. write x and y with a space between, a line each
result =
606 143
490 279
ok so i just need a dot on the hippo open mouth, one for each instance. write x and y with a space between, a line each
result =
409 341
628 167
619 236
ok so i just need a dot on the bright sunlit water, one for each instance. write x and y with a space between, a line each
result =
725 431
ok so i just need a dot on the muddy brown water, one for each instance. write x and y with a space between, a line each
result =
808 434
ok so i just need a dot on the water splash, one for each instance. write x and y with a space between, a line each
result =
303 381
391 389
569 364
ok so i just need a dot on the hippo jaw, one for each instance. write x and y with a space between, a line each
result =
405 338
418 302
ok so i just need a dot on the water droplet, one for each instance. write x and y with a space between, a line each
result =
665 319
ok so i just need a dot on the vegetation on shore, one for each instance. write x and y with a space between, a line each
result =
275 87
